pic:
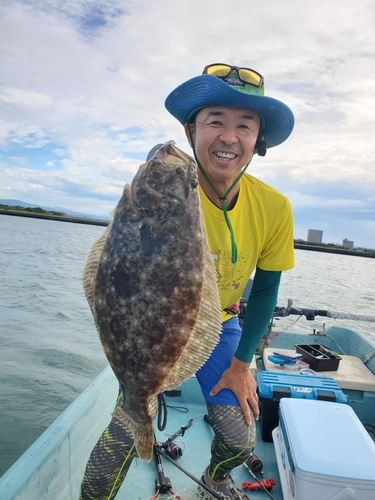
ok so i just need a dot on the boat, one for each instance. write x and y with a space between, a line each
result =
53 466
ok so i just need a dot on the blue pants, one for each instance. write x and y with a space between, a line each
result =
209 374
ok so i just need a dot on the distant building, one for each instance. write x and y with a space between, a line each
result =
314 236
347 244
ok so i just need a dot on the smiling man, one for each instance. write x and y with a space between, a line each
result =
227 119
224 139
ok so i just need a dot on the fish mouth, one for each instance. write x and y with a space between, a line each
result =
162 185
168 153
161 150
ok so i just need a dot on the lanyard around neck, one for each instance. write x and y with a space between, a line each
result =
222 199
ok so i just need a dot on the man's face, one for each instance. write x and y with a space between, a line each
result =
224 139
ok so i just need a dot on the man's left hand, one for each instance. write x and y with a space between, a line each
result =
240 381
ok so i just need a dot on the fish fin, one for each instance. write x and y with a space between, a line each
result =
143 434
91 268
112 213
93 259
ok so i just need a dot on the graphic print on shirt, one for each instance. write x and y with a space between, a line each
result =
228 275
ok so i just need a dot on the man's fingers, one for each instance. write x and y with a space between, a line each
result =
246 412
215 390
253 401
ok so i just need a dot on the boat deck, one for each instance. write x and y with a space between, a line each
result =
53 466
195 444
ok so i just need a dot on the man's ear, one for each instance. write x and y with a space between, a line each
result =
190 126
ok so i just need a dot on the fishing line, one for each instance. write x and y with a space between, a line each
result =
181 409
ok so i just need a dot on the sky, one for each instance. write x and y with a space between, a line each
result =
83 84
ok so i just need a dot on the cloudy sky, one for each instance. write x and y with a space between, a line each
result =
83 84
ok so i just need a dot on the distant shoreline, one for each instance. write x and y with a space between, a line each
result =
60 218
95 222
342 251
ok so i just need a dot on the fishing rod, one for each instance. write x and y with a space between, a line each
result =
182 469
311 313
308 313
170 451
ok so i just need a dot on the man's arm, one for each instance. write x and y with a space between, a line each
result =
259 311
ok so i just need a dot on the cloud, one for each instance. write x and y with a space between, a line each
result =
83 85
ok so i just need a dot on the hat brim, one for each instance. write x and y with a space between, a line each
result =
207 90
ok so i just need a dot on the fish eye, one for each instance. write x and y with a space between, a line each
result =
180 171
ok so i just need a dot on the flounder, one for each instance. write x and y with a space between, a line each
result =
150 283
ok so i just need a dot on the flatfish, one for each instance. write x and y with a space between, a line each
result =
150 283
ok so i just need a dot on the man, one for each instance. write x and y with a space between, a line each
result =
249 225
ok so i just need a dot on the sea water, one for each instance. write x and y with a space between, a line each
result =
50 350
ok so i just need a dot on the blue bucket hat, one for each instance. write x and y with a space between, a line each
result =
208 90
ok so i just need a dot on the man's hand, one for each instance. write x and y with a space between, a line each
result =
240 381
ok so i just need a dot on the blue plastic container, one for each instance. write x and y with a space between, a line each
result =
273 386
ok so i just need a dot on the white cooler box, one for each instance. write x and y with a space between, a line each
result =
323 452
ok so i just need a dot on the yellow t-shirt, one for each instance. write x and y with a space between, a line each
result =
263 230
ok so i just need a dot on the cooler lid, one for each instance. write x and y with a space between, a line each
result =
301 386
327 439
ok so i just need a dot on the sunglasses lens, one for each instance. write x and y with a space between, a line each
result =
247 75
250 76
220 70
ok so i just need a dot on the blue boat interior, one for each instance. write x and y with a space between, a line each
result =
54 465
195 443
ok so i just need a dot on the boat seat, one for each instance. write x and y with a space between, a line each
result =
352 372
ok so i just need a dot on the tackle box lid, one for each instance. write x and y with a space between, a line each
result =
327 439
298 386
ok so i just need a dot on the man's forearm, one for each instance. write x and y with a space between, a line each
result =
259 311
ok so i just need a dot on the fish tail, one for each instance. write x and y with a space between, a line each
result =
143 434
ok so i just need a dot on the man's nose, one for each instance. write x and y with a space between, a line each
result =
229 135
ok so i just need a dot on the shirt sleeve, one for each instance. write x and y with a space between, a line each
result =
278 252
259 311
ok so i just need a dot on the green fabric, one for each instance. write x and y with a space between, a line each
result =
233 442
259 311
110 459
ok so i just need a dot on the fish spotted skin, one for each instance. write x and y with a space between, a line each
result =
150 282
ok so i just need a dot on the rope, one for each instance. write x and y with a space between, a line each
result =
368 357
355 317
333 340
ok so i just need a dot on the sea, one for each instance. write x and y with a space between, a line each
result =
50 350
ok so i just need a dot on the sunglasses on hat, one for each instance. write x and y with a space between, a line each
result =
245 75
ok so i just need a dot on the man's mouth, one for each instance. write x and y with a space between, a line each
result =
224 156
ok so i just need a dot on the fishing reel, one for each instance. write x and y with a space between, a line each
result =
171 449
255 464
